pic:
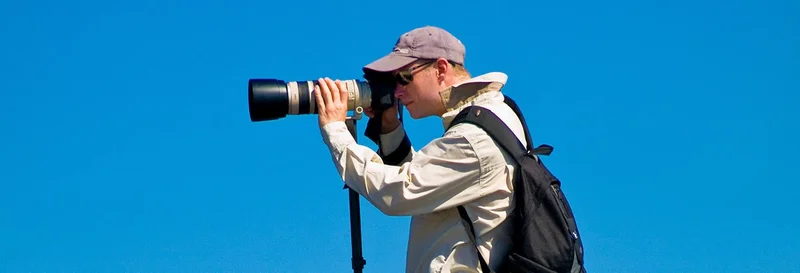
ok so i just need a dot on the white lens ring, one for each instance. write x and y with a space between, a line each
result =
312 100
294 98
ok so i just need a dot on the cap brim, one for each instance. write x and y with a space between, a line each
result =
389 63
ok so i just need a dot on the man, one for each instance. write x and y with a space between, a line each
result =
463 167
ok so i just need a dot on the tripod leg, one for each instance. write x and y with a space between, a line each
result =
355 232
355 216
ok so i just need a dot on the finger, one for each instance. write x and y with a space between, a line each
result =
320 101
326 93
343 98
368 112
342 92
334 90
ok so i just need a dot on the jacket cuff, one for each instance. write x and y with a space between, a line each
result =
392 140
398 155
395 146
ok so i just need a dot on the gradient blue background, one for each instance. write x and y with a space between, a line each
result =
126 144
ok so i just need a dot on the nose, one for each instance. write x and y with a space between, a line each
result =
399 91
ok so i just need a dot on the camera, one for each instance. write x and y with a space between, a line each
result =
271 99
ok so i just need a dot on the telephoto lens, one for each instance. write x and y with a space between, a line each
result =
271 99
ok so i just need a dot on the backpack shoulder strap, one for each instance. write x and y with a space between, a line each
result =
513 105
499 131
471 232
493 126
542 149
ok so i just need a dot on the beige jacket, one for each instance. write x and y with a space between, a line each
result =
463 167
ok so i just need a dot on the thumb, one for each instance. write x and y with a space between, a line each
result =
368 111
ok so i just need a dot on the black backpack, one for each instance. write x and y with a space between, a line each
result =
546 237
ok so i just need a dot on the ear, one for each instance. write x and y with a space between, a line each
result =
442 68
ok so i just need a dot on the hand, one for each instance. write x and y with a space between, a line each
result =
331 101
389 119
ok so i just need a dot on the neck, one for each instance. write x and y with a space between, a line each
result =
456 96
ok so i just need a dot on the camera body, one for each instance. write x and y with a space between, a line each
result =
270 99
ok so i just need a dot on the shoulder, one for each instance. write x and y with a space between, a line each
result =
480 141
485 147
455 144
487 151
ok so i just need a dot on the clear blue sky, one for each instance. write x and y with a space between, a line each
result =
126 144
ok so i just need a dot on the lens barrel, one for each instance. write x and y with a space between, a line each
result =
271 99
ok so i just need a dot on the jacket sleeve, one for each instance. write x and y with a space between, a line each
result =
443 174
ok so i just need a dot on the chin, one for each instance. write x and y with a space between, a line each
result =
415 113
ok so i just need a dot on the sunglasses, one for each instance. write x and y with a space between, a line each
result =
406 76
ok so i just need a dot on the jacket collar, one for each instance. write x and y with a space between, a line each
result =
475 90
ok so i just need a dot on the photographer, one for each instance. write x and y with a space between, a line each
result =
463 167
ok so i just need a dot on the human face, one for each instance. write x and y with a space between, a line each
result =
417 88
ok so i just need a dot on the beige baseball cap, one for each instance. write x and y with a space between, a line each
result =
426 42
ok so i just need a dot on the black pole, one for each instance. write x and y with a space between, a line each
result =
355 215
358 261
